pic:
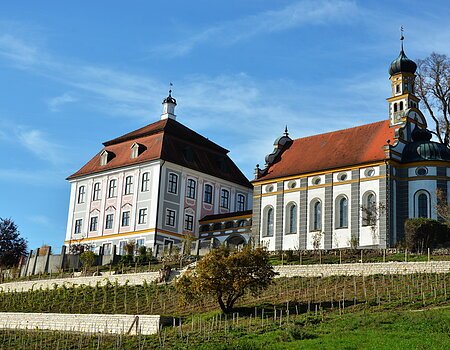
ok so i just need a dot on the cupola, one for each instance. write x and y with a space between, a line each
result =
169 104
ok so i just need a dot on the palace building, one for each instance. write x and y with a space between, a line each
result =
353 187
152 186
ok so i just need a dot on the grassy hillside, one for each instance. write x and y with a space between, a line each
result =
376 312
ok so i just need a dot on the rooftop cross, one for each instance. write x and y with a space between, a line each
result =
401 36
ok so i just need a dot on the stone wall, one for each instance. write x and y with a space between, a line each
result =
132 278
92 323
363 269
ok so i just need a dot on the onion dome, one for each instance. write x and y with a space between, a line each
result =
402 64
170 99
422 148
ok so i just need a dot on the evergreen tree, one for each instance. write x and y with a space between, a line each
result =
12 246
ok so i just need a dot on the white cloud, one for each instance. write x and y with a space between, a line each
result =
300 13
55 103
40 220
37 143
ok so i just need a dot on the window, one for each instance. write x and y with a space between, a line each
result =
317 216
78 224
173 183
142 216
191 185
395 107
342 176
268 222
242 223
170 217
421 171
397 88
369 208
188 222
342 210
112 188
401 105
96 192
93 225
291 217
109 221
316 181
208 197
422 200
241 202
128 185
140 242
369 172
122 245
107 249
269 188
81 194
145 182
126 218
224 198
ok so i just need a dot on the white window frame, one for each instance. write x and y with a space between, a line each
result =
172 183
128 188
170 217
81 194
107 221
142 216
145 182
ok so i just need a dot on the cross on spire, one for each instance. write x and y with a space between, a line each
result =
170 89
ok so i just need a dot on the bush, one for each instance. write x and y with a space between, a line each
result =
87 258
421 233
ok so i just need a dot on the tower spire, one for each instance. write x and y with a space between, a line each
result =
401 36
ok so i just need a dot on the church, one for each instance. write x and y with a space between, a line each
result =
353 187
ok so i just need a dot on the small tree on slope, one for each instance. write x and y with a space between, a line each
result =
227 275
12 246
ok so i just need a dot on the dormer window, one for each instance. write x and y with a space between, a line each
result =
137 149
106 157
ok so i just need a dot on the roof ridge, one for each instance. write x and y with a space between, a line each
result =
345 129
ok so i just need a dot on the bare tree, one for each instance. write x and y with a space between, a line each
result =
433 88
442 206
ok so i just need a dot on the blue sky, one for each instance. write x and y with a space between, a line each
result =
76 73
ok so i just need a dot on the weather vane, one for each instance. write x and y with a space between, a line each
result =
170 89
401 33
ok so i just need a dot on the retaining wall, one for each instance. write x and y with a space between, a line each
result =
132 278
363 269
92 323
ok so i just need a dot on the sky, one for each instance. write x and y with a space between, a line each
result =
74 74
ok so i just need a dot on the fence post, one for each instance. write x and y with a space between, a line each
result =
429 257
406 255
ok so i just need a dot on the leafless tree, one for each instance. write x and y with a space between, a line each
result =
433 88
442 206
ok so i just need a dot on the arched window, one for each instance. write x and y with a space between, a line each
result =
422 204
342 212
268 219
395 107
316 215
291 218
401 105
369 208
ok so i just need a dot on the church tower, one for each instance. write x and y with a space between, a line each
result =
402 75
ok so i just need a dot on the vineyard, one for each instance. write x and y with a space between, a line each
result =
307 311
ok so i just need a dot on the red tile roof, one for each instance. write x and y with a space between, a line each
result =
353 146
171 141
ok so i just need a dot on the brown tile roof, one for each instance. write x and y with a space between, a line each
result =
171 141
353 146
